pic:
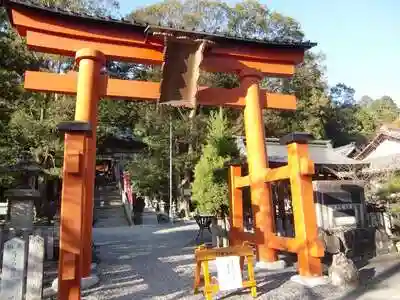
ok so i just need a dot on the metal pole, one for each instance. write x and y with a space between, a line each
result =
171 208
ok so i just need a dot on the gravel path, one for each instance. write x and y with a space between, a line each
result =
156 262
144 262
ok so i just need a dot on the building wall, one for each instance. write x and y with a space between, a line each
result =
386 148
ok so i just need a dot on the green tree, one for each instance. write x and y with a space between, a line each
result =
247 19
93 7
14 59
28 120
210 190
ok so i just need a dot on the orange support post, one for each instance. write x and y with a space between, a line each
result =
69 272
257 161
311 249
236 206
89 88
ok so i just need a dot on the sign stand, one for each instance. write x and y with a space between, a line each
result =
230 261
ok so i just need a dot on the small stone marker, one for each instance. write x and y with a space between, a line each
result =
50 245
12 277
35 268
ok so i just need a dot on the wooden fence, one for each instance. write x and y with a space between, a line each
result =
22 261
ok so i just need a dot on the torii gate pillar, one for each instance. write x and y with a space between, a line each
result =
257 161
89 85
78 173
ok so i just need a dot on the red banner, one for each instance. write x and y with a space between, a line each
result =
128 187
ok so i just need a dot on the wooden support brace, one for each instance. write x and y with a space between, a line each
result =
270 174
71 209
236 205
305 244
293 245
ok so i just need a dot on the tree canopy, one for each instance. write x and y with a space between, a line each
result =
28 119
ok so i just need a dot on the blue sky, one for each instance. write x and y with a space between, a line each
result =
360 38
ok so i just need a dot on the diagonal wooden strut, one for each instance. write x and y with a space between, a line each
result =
149 91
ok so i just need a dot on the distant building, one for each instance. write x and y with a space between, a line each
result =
338 202
383 152
328 161
339 197
349 150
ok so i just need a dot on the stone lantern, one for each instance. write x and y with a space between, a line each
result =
21 203
21 199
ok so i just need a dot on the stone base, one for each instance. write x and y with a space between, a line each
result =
86 282
276 265
93 267
310 281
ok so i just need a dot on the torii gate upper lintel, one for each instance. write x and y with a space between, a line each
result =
92 41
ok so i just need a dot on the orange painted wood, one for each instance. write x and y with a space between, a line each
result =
304 212
270 174
249 237
306 166
28 20
236 204
71 221
149 91
69 263
72 163
234 65
242 181
275 174
237 97
283 55
296 246
257 159
284 243
68 45
89 79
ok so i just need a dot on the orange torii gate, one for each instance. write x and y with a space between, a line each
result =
92 41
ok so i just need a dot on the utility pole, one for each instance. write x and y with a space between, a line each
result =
171 202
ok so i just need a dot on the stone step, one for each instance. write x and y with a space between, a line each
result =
107 204
109 210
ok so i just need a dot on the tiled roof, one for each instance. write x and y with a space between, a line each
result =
384 133
217 37
321 152
346 150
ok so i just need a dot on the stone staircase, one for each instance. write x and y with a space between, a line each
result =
149 217
109 211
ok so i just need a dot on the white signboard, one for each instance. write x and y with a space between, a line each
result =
342 206
229 273
342 221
